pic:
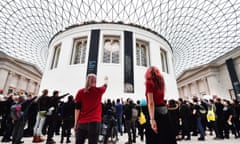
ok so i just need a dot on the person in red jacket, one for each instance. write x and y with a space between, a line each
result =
88 111
159 128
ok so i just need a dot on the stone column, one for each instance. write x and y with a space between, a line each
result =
189 94
36 89
8 79
181 92
28 84
18 82
206 86
197 88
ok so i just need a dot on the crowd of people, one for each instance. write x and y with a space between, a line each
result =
39 116
154 120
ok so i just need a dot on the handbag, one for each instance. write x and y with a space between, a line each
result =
142 119
211 115
162 110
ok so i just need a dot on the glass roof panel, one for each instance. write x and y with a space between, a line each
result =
199 31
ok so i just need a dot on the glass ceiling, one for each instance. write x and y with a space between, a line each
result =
198 30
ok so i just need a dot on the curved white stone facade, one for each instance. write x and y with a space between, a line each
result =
63 74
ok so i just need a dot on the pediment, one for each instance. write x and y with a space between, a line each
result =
29 67
189 72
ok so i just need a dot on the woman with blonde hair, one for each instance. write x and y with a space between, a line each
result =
159 129
88 111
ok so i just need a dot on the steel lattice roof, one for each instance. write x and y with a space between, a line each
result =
198 30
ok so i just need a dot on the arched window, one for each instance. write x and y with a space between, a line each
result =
164 61
79 51
56 55
142 58
111 49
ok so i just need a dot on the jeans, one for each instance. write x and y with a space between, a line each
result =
119 123
200 127
52 125
88 131
18 131
131 130
39 125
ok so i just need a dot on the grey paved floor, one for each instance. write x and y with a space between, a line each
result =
123 139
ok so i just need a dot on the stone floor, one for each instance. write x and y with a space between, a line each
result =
123 139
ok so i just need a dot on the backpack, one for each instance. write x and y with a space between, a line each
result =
16 111
134 114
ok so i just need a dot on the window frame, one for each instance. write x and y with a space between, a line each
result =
82 57
111 38
56 55
147 47
164 60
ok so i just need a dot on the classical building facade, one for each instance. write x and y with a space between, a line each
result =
18 76
220 77
120 51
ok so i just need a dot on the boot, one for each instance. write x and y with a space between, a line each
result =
50 141
37 139
41 139
61 141
68 140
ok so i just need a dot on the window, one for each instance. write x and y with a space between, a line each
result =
56 57
142 53
79 51
111 49
164 61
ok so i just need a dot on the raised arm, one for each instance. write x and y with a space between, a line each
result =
60 97
105 81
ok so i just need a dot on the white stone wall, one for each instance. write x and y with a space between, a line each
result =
3 78
211 79
69 78
18 75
